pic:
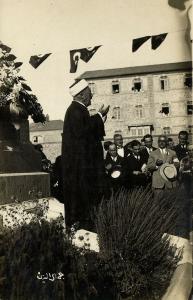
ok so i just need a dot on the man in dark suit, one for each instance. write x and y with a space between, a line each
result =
114 165
181 149
82 156
135 167
148 148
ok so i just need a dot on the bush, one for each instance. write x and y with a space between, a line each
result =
41 247
136 260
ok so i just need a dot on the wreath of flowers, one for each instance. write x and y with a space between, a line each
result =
13 87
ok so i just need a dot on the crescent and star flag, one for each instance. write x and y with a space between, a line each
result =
137 43
85 54
36 60
156 40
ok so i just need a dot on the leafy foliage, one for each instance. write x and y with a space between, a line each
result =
12 88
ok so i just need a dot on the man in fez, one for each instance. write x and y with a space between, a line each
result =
82 156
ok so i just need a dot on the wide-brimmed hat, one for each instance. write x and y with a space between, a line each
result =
168 171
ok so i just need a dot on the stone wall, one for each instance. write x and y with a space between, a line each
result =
151 97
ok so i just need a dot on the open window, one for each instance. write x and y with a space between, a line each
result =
36 139
115 87
165 109
190 108
188 80
137 84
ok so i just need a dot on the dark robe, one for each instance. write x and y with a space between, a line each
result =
82 163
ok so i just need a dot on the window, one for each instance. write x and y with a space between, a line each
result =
92 87
37 139
190 108
92 111
139 130
164 83
190 128
115 86
116 113
146 131
139 111
133 132
118 131
165 109
137 84
166 130
188 80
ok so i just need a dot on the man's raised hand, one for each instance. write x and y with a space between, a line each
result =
104 110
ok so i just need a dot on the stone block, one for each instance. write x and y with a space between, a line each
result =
18 187
17 214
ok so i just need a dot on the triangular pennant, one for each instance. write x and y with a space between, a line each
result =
179 4
137 43
85 54
74 58
36 60
156 40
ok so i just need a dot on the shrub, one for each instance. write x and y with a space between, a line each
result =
136 260
41 247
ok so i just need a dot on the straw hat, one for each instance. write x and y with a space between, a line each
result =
168 171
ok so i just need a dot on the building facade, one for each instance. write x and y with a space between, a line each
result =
153 99
49 135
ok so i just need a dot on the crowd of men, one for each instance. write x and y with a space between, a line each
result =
89 169
139 164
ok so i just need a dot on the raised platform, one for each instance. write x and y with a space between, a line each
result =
18 187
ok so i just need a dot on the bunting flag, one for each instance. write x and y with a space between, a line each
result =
36 60
179 4
156 40
84 54
137 43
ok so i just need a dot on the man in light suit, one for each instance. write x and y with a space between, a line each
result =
156 159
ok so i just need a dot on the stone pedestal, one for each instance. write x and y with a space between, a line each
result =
21 178
17 154
18 187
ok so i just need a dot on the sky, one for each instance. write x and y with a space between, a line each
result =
58 26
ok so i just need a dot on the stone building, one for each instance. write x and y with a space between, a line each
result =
49 135
154 99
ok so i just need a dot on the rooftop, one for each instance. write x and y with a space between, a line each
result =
161 68
47 126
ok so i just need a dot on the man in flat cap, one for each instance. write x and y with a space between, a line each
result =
82 156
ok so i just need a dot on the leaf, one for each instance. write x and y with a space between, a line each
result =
5 48
21 78
26 87
11 57
18 64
